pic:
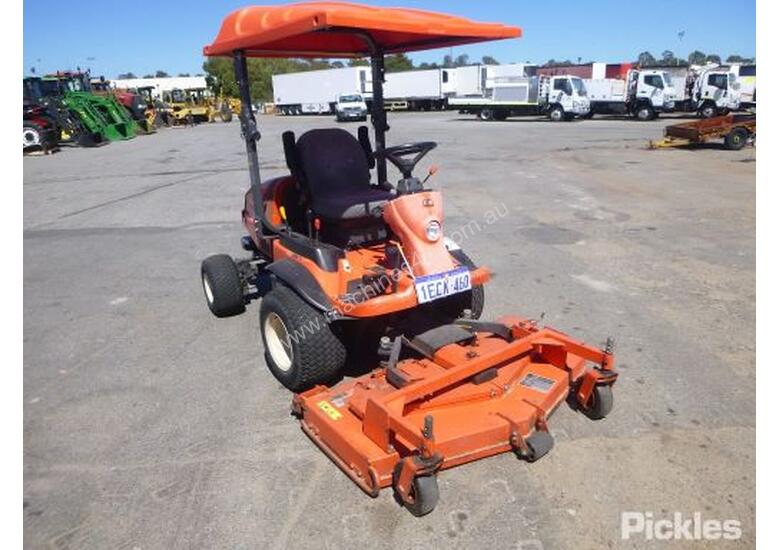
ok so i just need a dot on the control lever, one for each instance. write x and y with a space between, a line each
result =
431 172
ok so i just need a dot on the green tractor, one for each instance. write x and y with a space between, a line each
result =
71 126
77 96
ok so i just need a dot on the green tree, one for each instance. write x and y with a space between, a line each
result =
161 74
734 58
488 60
124 76
646 59
462 60
398 62
555 63
697 57
713 58
358 62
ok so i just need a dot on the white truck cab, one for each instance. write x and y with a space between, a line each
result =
650 90
643 93
566 96
351 107
714 92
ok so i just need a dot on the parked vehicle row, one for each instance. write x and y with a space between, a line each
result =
496 92
72 108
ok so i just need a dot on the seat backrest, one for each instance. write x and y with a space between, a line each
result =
332 161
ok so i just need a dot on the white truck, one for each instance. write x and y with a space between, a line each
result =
351 107
560 97
746 78
643 93
317 92
711 91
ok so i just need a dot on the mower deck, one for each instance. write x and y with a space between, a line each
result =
465 392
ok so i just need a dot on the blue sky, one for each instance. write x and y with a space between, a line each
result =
142 36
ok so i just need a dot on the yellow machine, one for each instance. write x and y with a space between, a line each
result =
188 106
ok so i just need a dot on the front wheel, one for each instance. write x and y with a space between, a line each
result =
557 114
645 113
301 347
31 136
709 110
222 286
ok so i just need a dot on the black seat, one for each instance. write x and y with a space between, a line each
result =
336 176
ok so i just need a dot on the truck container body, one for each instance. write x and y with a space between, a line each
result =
415 90
316 92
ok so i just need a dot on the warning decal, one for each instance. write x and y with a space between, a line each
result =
538 383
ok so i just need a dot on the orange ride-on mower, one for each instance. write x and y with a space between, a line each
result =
355 264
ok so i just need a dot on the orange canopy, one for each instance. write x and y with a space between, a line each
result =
298 30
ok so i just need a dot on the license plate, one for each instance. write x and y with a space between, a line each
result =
441 285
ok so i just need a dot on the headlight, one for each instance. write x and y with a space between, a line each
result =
433 231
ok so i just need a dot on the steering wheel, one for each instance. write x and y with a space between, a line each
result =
398 153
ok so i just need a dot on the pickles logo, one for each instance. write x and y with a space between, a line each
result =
678 527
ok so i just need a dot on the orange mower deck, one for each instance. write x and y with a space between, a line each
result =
463 392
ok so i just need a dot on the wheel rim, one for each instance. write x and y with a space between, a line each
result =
207 290
30 137
556 115
277 341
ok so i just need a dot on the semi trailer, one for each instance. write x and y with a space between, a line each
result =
316 92
561 97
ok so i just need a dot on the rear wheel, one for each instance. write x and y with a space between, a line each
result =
736 139
486 114
469 304
222 286
301 347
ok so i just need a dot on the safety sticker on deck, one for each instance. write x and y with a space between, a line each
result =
538 383
329 409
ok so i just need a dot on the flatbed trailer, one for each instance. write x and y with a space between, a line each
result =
735 131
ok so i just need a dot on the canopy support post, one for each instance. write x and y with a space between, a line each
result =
378 114
250 133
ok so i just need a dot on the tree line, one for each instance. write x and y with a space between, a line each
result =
667 59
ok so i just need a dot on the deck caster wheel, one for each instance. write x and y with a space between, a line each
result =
600 403
539 444
425 493
222 286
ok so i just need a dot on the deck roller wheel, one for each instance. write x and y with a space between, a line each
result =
600 403
539 444
424 494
